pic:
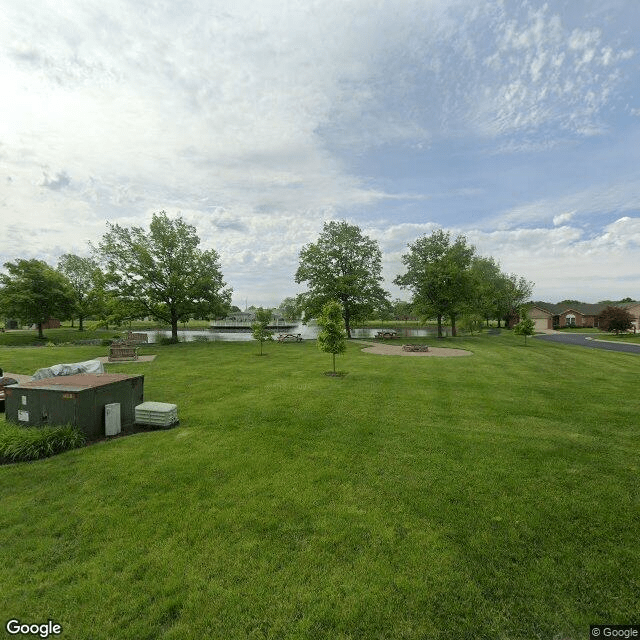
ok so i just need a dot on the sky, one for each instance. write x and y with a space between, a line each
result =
513 123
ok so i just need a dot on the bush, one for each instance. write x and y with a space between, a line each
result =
19 444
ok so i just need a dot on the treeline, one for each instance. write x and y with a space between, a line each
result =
445 276
162 273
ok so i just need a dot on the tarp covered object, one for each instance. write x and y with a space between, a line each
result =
90 366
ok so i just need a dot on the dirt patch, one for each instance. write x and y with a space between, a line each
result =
396 350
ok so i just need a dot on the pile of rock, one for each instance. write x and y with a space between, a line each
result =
415 347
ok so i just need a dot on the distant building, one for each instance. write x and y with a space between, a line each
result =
554 316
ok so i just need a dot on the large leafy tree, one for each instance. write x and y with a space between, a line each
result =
164 271
34 292
615 319
343 265
496 294
86 281
438 275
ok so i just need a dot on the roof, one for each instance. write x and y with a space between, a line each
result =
77 382
582 308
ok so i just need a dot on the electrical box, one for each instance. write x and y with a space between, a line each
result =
78 400
157 414
112 426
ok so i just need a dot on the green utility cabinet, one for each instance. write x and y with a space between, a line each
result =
78 400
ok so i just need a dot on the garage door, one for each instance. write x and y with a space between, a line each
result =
541 324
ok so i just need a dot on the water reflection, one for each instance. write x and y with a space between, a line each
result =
308 332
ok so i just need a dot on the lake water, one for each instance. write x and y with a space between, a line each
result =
308 332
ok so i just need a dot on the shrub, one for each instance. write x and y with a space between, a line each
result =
19 444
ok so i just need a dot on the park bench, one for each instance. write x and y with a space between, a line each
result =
387 335
122 351
415 347
134 338
289 337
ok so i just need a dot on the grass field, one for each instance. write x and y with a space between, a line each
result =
495 496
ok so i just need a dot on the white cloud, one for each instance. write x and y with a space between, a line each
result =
251 118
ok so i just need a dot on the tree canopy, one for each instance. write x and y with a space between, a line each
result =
615 319
86 281
34 292
344 265
438 275
164 271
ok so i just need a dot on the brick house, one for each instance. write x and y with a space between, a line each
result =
552 316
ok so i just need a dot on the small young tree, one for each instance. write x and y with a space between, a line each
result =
260 331
526 326
332 337
615 319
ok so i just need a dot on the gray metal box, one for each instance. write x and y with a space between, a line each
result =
78 400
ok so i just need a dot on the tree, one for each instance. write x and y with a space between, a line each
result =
526 326
402 310
343 265
34 292
513 291
332 337
472 322
437 273
164 271
289 309
86 283
615 319
259 327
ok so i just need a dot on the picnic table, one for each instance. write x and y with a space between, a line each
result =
290 337
387 335
133 338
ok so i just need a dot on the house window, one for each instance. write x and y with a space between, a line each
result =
570 320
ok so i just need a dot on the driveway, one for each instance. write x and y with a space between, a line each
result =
592 341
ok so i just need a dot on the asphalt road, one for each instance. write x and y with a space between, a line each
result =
587 340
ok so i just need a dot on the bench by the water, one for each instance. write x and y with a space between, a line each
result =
290 337
137 338
387 335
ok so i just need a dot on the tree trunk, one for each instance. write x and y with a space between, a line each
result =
453 325
40 334
347 322
174 326
439 326
80 323
334 362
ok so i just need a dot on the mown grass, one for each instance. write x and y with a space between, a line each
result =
494 496
63 335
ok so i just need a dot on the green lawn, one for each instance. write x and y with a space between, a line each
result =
493 497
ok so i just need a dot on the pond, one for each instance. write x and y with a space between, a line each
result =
308 332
